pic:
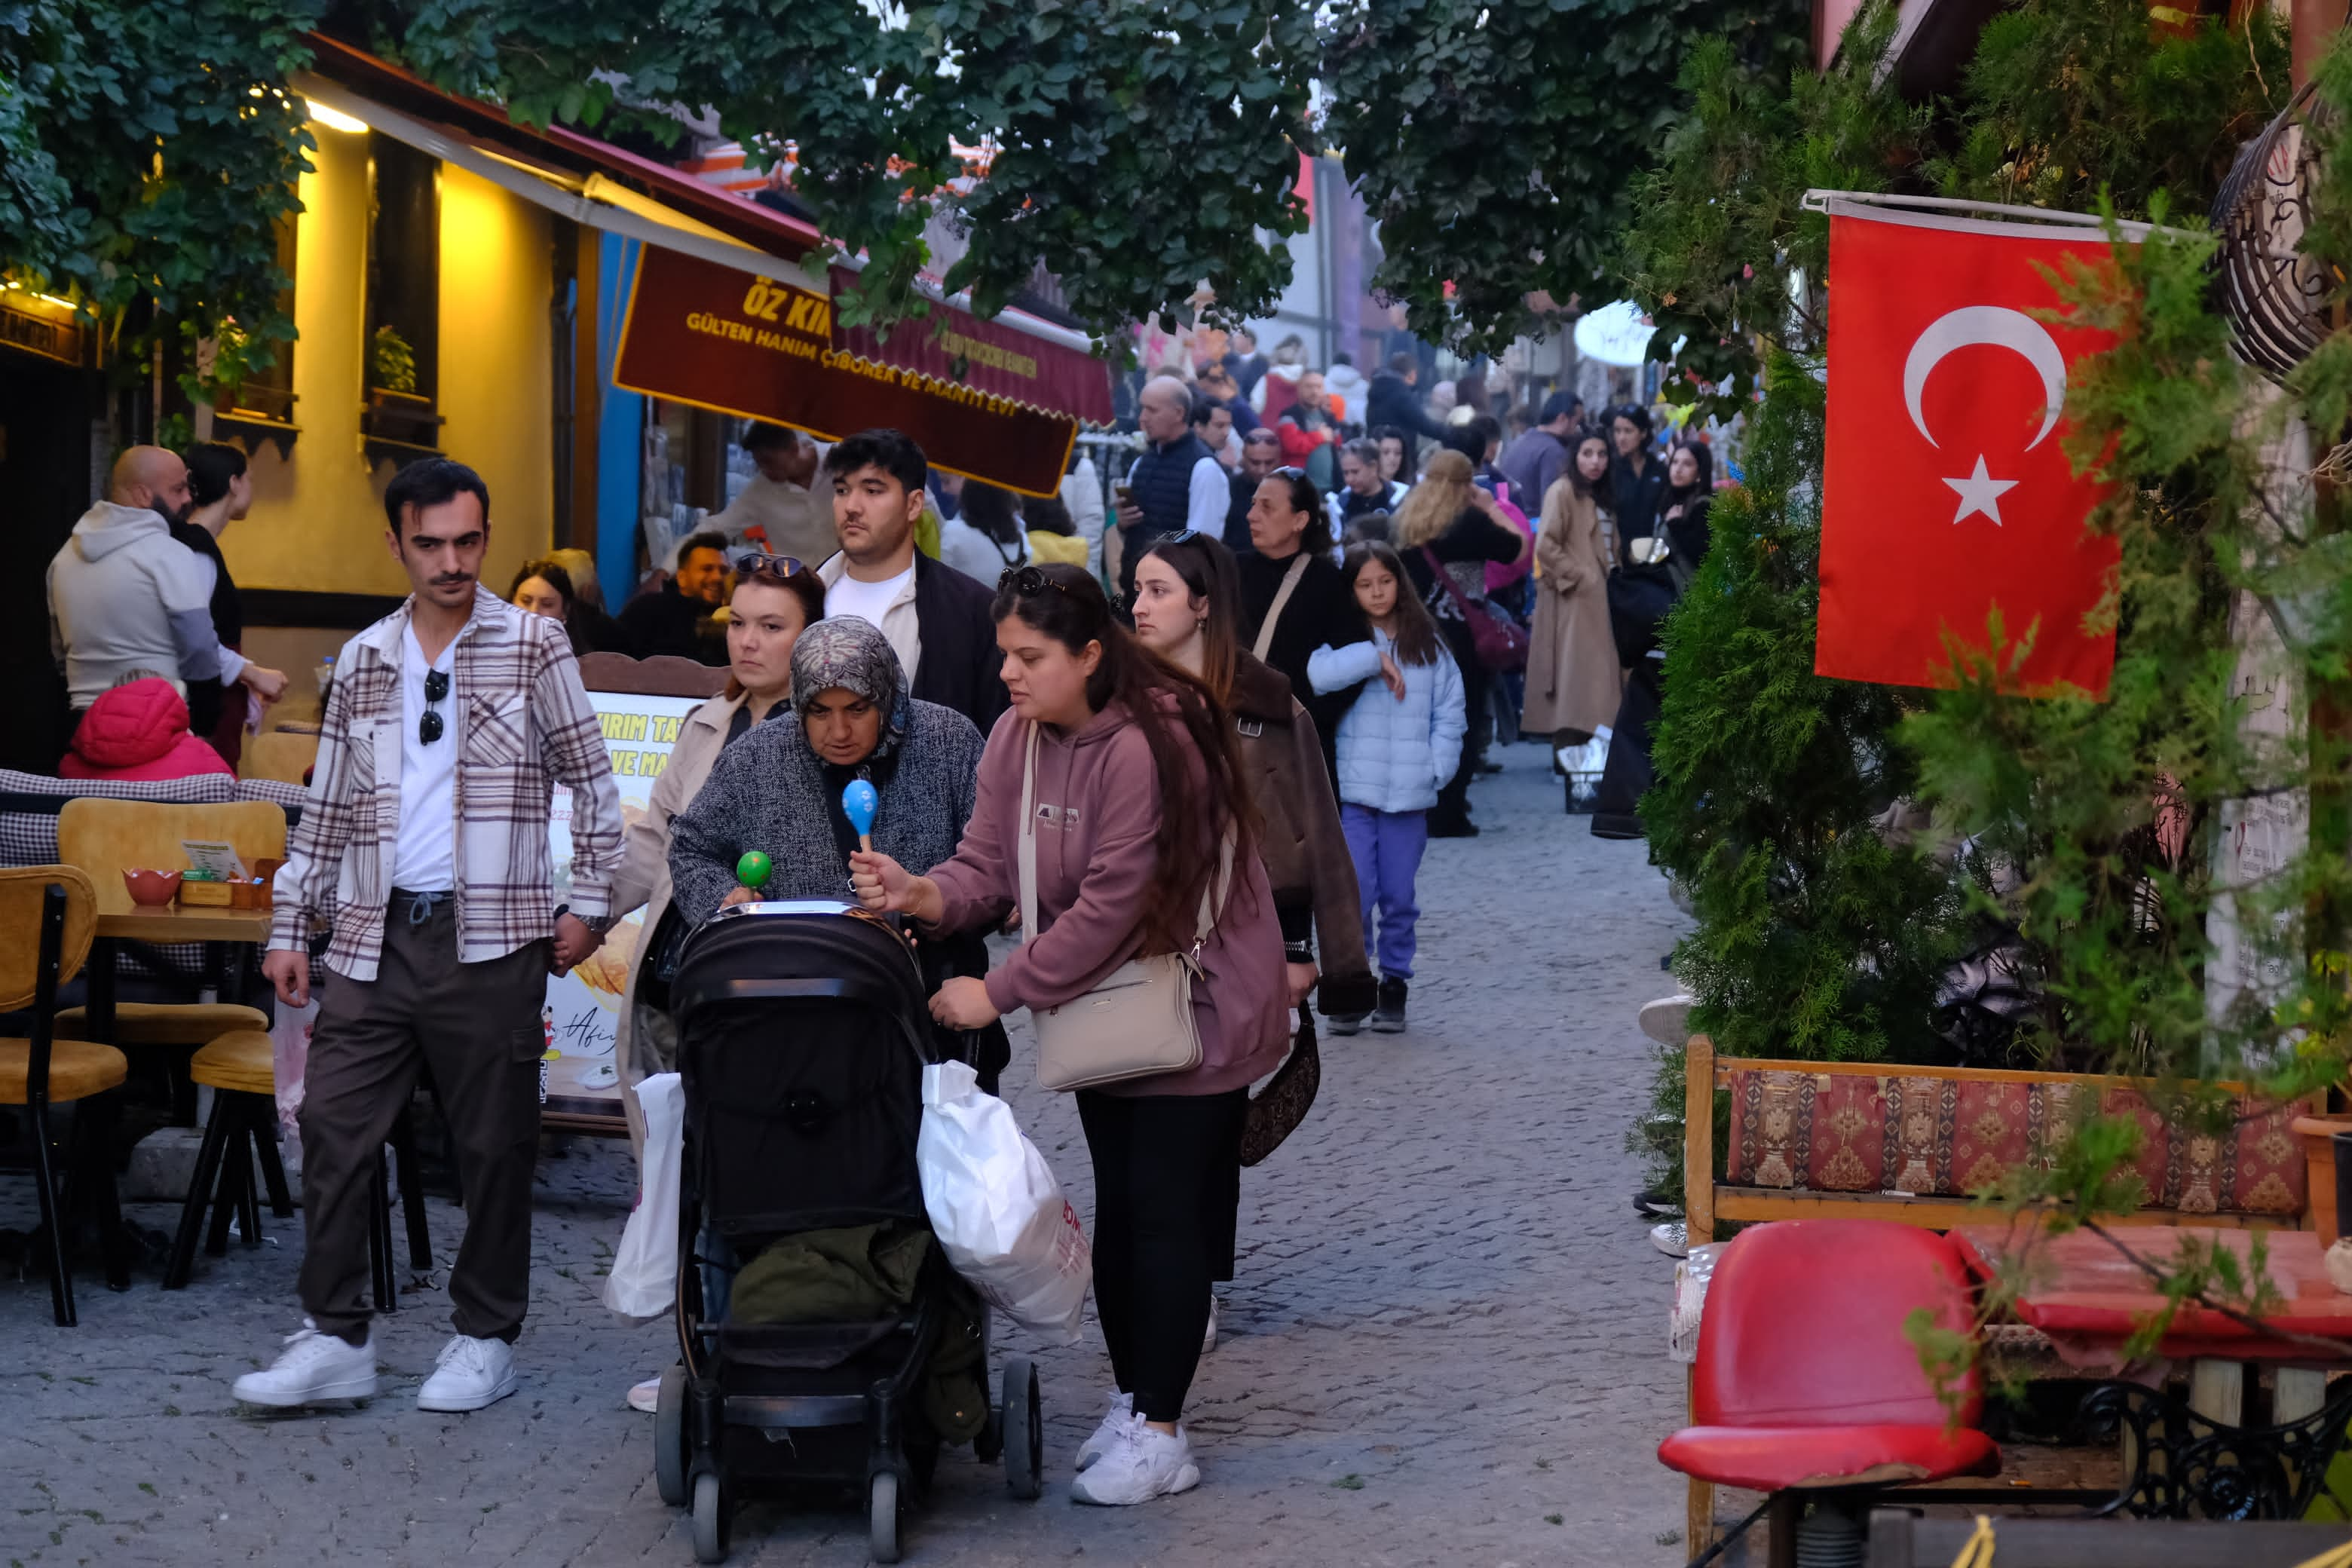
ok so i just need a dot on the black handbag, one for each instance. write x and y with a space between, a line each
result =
1275 1110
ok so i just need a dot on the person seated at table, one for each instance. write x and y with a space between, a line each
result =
138 731
780 792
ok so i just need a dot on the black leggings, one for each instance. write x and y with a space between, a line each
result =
1166 1187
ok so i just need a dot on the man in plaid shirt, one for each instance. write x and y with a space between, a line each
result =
424 844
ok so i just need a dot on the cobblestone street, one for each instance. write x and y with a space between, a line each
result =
1446 1344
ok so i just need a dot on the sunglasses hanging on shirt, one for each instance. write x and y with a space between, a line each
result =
436 687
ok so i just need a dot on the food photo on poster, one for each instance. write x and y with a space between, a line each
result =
583 1012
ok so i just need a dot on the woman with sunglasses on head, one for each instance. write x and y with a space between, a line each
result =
770 601
1291 599
1142 816
1185 611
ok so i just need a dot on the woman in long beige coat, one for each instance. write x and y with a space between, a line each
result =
767 612
1573 682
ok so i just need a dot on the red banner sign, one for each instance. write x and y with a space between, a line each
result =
705 334
1946 490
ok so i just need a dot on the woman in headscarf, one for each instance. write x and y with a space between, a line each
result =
779 791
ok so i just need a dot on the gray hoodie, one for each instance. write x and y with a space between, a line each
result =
125 596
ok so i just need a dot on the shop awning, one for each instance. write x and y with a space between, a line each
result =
998 400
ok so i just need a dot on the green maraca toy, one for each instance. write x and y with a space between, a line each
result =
753 870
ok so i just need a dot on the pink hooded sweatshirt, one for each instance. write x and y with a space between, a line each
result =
1099 807
139 731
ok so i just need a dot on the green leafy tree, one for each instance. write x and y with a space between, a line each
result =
147 153
1498 145
1136 151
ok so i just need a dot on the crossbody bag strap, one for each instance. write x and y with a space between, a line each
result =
1215 896
1025 851
1281 597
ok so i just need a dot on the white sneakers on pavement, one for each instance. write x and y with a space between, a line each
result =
1122 1412
1139 1463
645 1395
472 1373
314 1366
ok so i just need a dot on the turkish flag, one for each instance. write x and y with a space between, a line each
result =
1945 490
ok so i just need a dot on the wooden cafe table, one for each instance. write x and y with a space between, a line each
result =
2089 1298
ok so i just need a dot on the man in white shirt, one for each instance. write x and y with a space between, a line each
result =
424 841
781 509
938 619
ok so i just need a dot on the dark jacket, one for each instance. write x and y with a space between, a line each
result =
216 708
1162 481
1530 464
1640 498
593 631
1306 855
1391 402
665 621
960 663
1237 534
1322 611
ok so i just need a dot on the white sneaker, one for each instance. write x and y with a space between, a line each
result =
645 1395
1141 1463
1120 1417
1209 1335
472 1373
313 1366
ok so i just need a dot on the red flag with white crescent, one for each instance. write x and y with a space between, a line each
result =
1946 488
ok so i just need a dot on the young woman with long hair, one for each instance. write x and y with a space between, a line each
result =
1138 785
1447 522
1186 612
1400 742
1573 682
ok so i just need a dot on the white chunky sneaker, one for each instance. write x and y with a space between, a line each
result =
1122 1412
313 1366
472 1373
645 1395
1141 1464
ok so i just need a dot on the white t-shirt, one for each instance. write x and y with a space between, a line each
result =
424 856
867 601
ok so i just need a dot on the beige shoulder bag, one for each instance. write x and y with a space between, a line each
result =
1138 1020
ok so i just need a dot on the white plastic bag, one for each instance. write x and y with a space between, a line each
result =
289 1058
996 1208
644 1282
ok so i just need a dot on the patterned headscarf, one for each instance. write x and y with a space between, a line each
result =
850 653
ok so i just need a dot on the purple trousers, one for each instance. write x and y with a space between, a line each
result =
1386 847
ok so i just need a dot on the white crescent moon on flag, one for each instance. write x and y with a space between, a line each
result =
1996 326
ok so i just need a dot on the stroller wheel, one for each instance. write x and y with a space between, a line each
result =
671 1448
710 1519
1023 1430
882 1518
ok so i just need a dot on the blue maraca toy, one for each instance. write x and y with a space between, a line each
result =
859 802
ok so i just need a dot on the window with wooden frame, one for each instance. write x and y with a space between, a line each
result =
262 406
400 359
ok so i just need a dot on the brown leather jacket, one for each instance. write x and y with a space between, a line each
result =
1306 858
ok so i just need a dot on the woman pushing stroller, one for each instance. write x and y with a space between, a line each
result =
1141 821
778 790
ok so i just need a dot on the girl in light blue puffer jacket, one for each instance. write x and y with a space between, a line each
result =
1398 744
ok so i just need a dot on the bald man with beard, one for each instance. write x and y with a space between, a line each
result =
126 597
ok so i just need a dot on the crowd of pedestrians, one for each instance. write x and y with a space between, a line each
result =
1222 715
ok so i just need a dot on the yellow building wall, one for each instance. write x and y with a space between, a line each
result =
317 523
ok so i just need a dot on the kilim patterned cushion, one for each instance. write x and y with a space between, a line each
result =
1854 1132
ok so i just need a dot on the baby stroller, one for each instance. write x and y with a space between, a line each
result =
802 1033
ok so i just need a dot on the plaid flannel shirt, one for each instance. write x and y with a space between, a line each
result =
520 721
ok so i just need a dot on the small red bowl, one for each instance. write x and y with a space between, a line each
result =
154 889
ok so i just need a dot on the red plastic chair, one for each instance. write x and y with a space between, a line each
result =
1807 1383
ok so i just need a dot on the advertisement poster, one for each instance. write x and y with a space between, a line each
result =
583 1008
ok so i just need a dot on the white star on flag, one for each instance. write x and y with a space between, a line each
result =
1979 492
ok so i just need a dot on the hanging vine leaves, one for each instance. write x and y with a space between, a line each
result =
149 152
1497 145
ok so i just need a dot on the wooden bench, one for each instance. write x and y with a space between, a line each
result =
1875 1141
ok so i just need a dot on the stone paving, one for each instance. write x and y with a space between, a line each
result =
1446 1344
